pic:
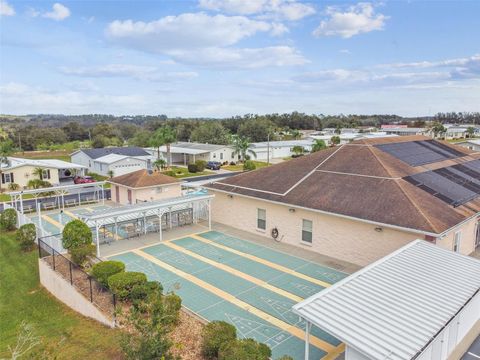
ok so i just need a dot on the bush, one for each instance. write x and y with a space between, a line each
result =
103 270
192 168
13 186
172 304
122 283
249 165
285 357
170 173
200 165
244 349
76 234
80 254
8 219
143 291
233 163
214 335
26 235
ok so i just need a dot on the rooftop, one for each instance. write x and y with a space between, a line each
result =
375 180
47 163
112 158
191 148
142 179
394 307
127 151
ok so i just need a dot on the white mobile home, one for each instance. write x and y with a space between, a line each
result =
188 152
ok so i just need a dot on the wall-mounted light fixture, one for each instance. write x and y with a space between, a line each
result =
292 210
378 229
230 196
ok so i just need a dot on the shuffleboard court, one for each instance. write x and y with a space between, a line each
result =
257 298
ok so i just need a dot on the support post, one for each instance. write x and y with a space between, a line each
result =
97 240
116 229
170 218
21 202
160 227
103 194
144 224
209 215
307 340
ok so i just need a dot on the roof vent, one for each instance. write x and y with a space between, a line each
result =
149 167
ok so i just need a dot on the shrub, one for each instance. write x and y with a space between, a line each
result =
122 283
192 168
143 291
200 165
103 270
13 186
8 219
233 163
285 357
170 173
244 349
26 235
249 165
75 234
214 335
80 254
172 304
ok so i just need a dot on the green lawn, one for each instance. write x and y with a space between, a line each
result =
59 155
239 167
182 172
70 335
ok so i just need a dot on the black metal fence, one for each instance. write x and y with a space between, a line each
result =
88 286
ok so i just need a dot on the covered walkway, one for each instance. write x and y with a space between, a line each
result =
138 220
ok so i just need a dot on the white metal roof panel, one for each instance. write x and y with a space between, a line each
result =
392 308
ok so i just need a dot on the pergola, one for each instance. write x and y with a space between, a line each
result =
98 189
198 205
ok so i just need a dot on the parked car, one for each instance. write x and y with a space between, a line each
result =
213 165
83 179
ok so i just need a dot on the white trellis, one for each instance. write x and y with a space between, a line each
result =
198 205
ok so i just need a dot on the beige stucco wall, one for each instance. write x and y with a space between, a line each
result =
467 242
346 239
66 293
353 241
148 194
22 175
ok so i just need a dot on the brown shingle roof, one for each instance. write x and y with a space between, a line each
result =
141 178
357 180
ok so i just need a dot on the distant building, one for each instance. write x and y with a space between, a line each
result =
472 144
20 171
120 160
185 153
406 131
143 185
279 149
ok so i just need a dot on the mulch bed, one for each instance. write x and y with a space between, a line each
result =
187 337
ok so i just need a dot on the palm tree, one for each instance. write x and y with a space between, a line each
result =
242 147
165 135
298 150
6 149
38 172
318 145
295 134
160 164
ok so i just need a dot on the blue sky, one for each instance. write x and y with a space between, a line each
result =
215 58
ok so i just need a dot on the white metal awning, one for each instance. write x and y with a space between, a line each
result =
396 306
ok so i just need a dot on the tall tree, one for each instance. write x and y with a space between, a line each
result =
241 146
164 135
210 132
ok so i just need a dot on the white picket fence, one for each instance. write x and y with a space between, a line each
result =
53 240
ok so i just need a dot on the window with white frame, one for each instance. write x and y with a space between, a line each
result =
7 178
45 174
261 219
456 241
307 231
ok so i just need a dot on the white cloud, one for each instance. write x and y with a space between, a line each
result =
6 9
149 73
241 58
199 38
189 30
357 19
345 51
283 9
59 12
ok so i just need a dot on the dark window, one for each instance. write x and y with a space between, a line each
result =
261 219
307 231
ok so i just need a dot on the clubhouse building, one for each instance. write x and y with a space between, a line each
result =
360 201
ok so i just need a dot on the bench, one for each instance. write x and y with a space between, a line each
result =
48 206
70 202
27 208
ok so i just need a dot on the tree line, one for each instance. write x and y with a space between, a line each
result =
37 132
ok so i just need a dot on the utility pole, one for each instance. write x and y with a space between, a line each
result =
268 148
